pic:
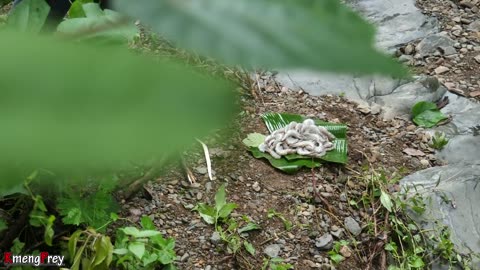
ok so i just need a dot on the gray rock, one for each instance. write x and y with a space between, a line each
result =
405 58
465 115
449 50
402 99
371 90
272 250
455 196
474 26
464 149
324 242
431 44
201 169
352 226
338 233
215 238
398 22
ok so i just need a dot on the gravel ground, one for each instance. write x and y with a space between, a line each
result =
257 187
456 64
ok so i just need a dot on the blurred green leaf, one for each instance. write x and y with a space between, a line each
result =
76 9
249 247
3 225
137 248
28 16
220 198
206 212
323 35
386 201
75 107
226 210
147 223
97 24
249 227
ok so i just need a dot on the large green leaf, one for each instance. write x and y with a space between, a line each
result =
75 107
427 114
292 163
97 24
28 16
285 165
422 106
323 35
429 118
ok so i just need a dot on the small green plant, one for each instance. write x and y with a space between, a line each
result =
145 247
287 223
334 254
219 212
95 251
39 216
275 264
439 140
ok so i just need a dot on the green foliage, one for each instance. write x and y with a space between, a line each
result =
99 115
323 35
276 264
439 140
427 114
287 223
219 215
292 163
39 218
145 247
88 22
408 245
28 16
91 207
95 251
249 247
76 9
334 254
3 225
219 212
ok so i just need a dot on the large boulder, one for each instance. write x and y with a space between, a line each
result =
455 195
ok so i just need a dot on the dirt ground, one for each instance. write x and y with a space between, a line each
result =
256 187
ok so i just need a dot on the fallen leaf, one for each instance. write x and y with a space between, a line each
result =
413 152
